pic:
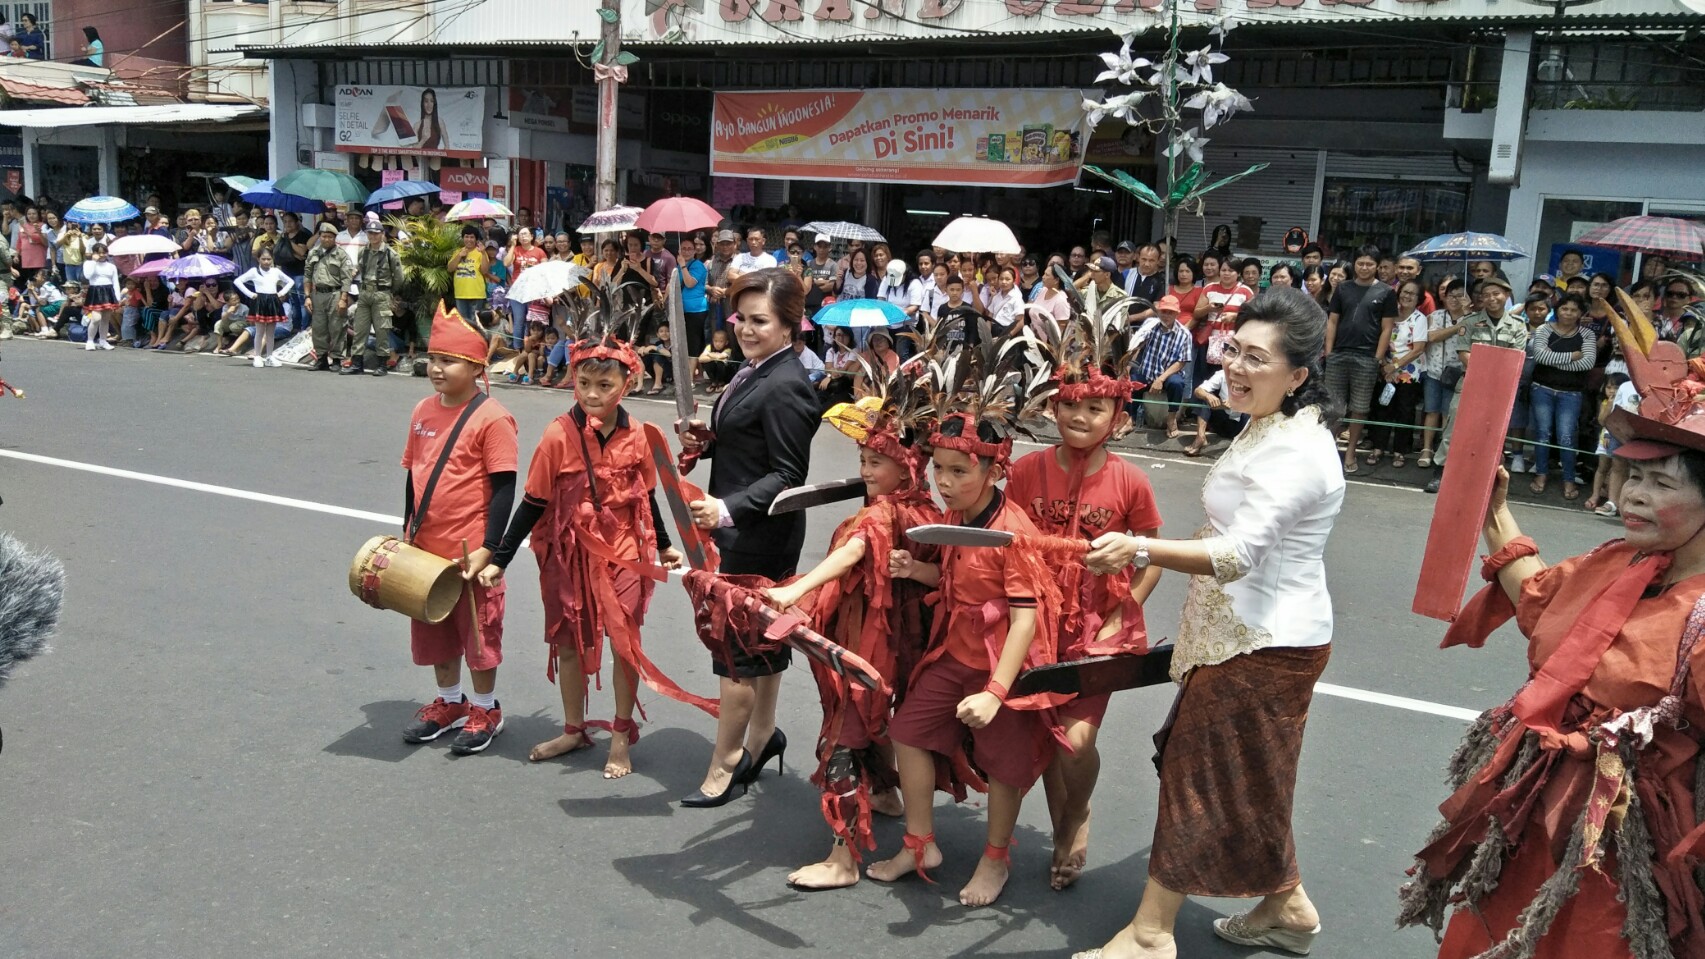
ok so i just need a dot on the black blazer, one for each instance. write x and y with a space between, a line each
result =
763 446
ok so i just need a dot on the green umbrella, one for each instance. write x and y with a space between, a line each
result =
327 185
242 184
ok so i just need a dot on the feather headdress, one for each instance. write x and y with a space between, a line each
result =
1094 351
989 380
892 420
602 331
1672 390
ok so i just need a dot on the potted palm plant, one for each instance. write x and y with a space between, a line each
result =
425 256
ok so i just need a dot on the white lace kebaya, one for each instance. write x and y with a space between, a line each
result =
1271 501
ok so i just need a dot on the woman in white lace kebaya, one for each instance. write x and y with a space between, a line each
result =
1255 636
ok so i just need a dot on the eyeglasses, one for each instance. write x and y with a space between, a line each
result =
1231 356
1678 292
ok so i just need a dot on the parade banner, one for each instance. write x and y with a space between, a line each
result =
411 121
1024 138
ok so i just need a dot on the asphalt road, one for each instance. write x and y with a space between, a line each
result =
209 763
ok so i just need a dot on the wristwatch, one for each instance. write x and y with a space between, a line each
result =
1141 559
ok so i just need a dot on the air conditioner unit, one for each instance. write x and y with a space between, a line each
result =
329 160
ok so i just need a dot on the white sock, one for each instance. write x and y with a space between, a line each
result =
451 694
483 700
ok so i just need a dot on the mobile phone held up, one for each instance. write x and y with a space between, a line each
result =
400 121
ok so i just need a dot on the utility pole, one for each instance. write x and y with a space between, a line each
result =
609 76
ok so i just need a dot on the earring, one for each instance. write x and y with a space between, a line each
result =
1290 392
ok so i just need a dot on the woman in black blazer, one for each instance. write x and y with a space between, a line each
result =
758 442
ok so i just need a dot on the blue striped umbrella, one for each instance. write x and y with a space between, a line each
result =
401 190
102 209
1468 246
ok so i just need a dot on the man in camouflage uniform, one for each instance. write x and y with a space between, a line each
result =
326 277
378 275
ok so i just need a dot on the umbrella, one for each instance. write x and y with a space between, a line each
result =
1649 234
242 184
197 267
546 281
860 313
150 268
678 214
842 230
327 185
618 219
477 209
401 190
265 193
1468 246
977 234
141 245
102 209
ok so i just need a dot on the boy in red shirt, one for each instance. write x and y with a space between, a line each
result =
993 620
1078 490
468 503
591 493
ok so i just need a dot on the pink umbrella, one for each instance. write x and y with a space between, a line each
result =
150 268
678 214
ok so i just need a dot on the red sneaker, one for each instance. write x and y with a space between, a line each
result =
482 726
435 719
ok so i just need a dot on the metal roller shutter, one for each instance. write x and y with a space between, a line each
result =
1258 208
1435 167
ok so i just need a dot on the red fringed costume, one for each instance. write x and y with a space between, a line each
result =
593 541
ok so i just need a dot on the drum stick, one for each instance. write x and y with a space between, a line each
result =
473 608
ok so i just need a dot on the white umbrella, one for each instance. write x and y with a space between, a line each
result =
547 281
978 234
618 219
842 230
141 245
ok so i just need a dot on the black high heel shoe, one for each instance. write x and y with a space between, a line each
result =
738 780
775 747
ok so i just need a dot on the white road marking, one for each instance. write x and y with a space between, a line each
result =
1329 689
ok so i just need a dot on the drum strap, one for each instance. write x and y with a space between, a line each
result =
438 467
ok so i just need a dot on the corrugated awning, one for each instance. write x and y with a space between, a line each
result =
38 93
144 115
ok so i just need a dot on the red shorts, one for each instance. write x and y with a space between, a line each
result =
629 591
1012 750
855 733
436 644
1085 709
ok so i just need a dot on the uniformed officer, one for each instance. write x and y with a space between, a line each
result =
327 286
377 277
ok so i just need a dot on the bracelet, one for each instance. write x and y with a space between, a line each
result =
1518 548
996 689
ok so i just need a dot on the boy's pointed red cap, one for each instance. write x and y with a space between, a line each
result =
454 336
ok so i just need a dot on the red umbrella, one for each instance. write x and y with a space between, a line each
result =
678 214
150 268
1649 234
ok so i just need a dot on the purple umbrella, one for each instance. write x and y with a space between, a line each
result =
198 266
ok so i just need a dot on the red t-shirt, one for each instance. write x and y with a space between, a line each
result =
463 495
975 575
1186 303
624 461
1118 496
524 259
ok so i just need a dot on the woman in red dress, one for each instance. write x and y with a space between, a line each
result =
1576 825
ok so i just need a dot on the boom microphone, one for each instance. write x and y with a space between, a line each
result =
32 590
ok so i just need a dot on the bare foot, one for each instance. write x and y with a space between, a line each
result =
566 743
1071 852
838 871
986 883
1538 484
888 803
1127 945
903 865
618 765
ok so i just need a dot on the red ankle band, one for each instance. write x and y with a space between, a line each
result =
1000 853
916 846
